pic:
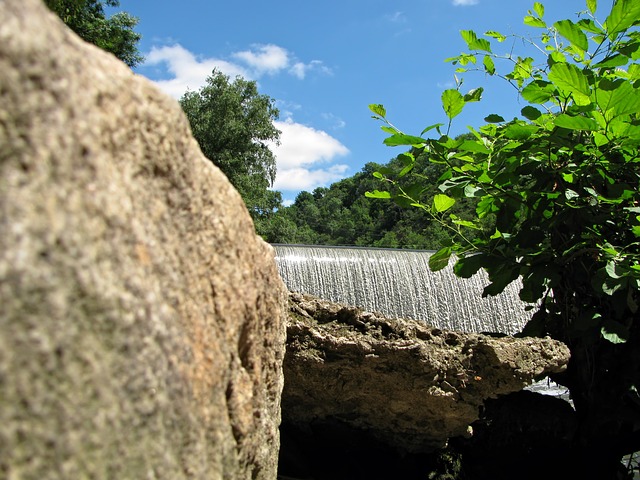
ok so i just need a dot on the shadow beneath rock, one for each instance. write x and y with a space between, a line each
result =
332 450
524 435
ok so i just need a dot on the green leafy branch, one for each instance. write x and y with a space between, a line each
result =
556 190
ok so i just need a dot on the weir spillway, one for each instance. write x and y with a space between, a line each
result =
399 283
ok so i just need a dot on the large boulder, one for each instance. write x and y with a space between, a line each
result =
399 382
142 320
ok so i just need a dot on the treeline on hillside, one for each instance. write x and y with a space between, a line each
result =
342 215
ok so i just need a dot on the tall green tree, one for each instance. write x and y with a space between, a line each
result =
558 194
115 34
233 125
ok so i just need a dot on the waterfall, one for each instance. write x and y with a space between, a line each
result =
398 283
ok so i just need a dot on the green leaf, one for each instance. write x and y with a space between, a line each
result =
500 278
612 61
623 15
614 270
407 158
468 266
388 129
539 9
519 131
571 194
538 91
592 5
414 190
440 259
486 206
616 98
634 72
536 327
474 95
612 285
409 161
534 22
431 127
571 80
493 118
464 223
588 25
531 113
522 70
556 57
473 146
402 139
572 32
452 102
475 43
577 122
489 66
494 288
377 194
497 35
471 191
442 202
625 100
631 48
614 332
378 109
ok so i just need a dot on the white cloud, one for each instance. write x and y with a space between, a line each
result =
189 72
266 59
298 179
300 69
300 151
397 17
464 3
336 122
287 108
446 85
399 21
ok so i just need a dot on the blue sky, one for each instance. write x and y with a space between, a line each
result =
325 62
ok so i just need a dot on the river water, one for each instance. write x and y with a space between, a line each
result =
398 283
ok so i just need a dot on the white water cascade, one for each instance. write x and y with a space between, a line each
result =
399 283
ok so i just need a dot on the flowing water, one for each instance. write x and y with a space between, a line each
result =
398 283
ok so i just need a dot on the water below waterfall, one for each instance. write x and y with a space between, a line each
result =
398 283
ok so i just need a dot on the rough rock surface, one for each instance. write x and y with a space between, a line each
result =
142 321
406 384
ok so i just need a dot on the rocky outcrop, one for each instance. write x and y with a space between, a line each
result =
407 385
142 321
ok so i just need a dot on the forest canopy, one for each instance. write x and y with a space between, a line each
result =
114 34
